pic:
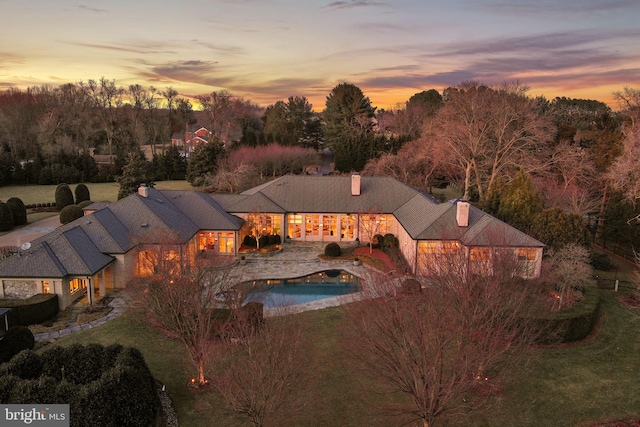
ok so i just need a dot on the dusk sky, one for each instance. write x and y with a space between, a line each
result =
268 50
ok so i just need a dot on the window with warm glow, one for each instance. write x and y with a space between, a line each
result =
294 226
479 254
226 240
329 225
347 226
46 287
527 254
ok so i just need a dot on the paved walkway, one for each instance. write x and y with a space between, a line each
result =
30 232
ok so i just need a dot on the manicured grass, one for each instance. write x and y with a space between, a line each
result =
104 191
595 380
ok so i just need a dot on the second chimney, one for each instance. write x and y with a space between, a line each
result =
143 190
355 185
462 213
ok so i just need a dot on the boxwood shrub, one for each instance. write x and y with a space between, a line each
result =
575 323
332 250
121 392
37 309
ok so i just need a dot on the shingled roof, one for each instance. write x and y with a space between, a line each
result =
330 194
203 210
69 253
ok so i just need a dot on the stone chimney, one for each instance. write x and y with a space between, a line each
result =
143 190
355 185
462 213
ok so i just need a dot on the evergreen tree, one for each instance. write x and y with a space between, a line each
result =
203 161
136 171
64 196
519 203
556 228
82 193
18 210
348 118
6 217
175 166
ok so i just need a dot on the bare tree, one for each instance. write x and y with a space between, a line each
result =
625 171
263 373
182 300
571 271
107 100
444 348
490 131
369 222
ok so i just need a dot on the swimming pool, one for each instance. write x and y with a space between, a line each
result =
299 290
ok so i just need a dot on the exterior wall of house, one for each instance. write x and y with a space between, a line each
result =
124 267
371 224
408 247
216 242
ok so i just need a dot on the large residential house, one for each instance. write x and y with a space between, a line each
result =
116 242
193 136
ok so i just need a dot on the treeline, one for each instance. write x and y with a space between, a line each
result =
574 155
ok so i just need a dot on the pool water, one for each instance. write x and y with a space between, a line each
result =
299 290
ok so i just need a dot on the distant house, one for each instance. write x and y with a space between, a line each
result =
116 242
193 136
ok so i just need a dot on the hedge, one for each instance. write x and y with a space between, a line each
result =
19 210
575 323
37 309
120 390
16 339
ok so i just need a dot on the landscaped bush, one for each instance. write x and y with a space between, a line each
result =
85 203
82 193
70 213
332 250
376 242
119 390
601 261
18 210
6 217
263 241
575 323
250 241
16 339
390 241
274 239
64 196
37 309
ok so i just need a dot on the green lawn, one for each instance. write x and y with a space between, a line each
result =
107 191
595 380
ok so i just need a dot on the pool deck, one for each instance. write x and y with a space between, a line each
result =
294 260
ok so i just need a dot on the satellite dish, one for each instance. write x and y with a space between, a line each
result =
25 246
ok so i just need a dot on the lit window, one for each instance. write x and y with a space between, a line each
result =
527 254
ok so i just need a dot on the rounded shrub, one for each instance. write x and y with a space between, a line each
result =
70 213
85 203
264 241
16 339
82 193
332 250
377 241
250 241
26 365
600 261
390 241
6 217
19 210
64 196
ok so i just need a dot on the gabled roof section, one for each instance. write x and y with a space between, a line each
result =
204 211
154 218
331 194
70 253
77 253
483 229
257 202
419 212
